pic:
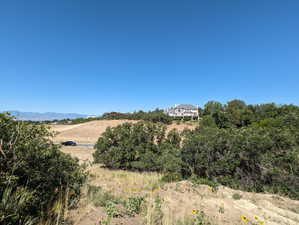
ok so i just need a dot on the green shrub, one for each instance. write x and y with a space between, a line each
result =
133 205
141 146
32 165
237 196
248 158
15 207
112 210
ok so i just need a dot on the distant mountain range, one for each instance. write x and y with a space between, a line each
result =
35 116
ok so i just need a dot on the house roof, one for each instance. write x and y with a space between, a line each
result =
185 106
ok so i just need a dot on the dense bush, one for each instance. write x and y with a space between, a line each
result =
254 159
35 174
139 146
237 114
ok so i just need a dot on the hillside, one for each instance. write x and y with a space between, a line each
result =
176 203
89 132
179 200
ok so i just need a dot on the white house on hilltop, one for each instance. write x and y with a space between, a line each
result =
183 110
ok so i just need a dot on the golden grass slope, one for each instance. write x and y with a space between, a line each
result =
89 132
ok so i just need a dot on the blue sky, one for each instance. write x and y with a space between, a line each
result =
93 56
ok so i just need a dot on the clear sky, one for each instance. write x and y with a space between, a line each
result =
93 56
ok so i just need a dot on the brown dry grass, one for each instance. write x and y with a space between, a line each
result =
88 133
84 154
84 133
180 198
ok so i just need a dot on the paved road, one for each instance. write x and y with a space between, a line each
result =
86 145
83 145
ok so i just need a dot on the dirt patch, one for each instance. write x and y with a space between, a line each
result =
84 154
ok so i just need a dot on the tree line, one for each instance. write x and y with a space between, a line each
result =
248 147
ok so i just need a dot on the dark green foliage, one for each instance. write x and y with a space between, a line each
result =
208 121
253 147
30 165
140 146
249 147
152 116
237 114
14 207
253 159
212 107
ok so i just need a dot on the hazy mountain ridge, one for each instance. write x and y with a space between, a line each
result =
36 116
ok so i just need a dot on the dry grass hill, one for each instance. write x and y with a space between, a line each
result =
88 133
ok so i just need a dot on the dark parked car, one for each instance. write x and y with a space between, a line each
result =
69 143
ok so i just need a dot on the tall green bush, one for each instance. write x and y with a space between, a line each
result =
254 159
30 165
139 146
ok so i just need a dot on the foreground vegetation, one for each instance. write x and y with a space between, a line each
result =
38 183
115 196
252 148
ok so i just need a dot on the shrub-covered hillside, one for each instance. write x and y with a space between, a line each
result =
37 181
249 147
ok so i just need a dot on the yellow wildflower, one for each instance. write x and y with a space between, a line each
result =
262 223
244 219
210 188
256 217
194 211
